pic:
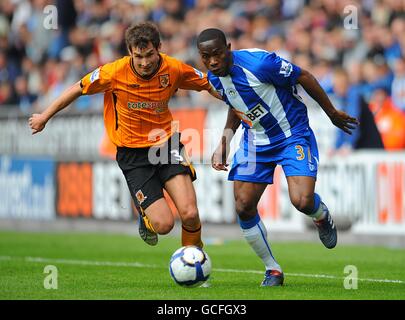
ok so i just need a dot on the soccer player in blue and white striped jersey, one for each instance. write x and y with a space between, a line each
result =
260 90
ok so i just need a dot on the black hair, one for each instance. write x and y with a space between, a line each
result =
211 34
139 35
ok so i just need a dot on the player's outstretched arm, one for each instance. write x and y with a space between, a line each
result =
339 118
220 155
38 121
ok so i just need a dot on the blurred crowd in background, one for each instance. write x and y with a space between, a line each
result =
360 62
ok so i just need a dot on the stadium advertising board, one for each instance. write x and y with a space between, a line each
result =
27 188
366 188
98 190
92 190
111 197
70 135
369 189
74 189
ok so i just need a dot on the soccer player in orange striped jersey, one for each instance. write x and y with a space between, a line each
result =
137 89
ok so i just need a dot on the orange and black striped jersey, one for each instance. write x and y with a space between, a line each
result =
136 112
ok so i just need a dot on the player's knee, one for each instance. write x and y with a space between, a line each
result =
163 226
303 203
245 206
189 215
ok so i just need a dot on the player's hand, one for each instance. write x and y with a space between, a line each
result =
218 160
215 94
37 122
343 121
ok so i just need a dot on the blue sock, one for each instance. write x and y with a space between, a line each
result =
317 212
317 203
247 224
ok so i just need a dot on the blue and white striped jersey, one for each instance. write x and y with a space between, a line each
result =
261 87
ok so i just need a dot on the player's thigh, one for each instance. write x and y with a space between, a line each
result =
181 190
300 186
177 176
160 215
247 195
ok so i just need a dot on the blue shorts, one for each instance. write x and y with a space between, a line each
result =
298 156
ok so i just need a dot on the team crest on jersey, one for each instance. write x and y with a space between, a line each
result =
140 197
231 93
164 80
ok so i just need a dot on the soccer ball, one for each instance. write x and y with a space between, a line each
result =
190 266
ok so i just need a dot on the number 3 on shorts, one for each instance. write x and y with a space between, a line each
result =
175 153
300 152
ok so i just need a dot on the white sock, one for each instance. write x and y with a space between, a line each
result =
319 207
255 234
318 214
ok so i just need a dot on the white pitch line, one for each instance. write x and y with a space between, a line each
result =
91 263
141 265
308 275
5 258
334 277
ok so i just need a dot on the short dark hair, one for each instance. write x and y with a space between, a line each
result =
211 34
139 35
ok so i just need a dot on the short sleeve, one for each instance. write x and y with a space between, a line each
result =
279 71
193 79
100 80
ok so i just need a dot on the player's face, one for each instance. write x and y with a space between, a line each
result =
216 57
145 60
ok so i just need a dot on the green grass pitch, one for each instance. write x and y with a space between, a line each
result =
110 266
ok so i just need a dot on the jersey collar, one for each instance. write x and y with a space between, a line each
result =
131 63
